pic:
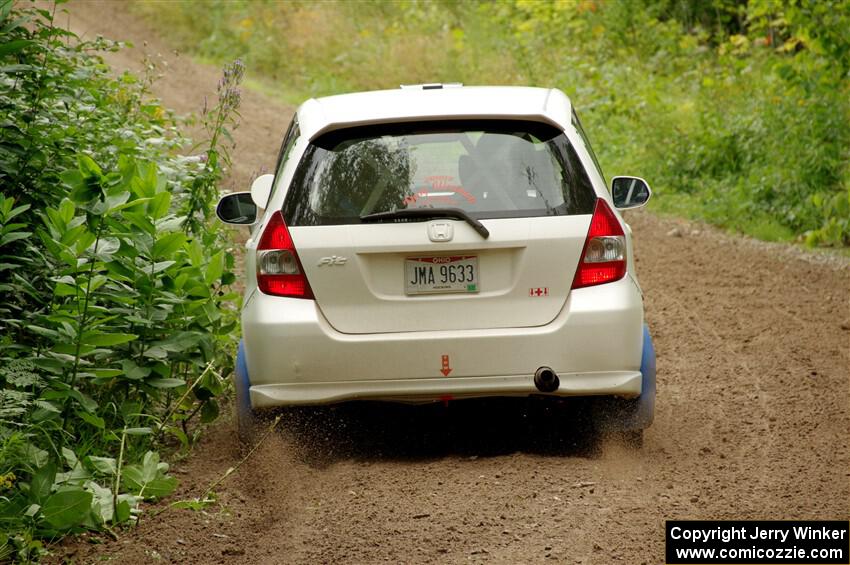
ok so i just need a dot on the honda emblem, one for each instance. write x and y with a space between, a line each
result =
440 231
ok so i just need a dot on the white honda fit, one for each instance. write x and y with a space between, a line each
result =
440 242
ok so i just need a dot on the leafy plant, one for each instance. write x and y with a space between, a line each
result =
117 336
148 479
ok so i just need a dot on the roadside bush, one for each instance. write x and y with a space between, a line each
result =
117 320
737 112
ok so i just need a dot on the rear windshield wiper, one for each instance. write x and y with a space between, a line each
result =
427 213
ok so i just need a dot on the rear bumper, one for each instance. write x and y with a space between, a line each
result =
627 384
294 356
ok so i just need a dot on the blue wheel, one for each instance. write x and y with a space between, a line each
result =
246 418
644 412
628 418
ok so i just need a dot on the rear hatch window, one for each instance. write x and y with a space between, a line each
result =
437 271
487 168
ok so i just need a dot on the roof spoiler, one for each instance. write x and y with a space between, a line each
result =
431 86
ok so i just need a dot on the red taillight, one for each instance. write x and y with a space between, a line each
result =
603 258
279 271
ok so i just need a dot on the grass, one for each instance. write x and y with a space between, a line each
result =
727 124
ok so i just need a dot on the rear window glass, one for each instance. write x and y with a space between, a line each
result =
489 169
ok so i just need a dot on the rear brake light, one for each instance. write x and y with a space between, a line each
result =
603 258
279 271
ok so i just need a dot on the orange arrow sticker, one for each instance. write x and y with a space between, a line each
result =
446 367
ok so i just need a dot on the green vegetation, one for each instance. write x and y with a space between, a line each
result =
737 111
116 318
117 321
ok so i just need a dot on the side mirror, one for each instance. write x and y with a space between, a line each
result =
237 208
261 188
629 192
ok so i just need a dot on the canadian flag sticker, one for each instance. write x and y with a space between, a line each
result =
537 292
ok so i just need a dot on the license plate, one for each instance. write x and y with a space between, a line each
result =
430 275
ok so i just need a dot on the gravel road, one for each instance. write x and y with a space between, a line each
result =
753 345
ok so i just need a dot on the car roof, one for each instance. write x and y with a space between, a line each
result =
434 102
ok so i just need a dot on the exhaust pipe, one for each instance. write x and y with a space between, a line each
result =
546 380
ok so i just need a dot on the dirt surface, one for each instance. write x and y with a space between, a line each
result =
752 418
